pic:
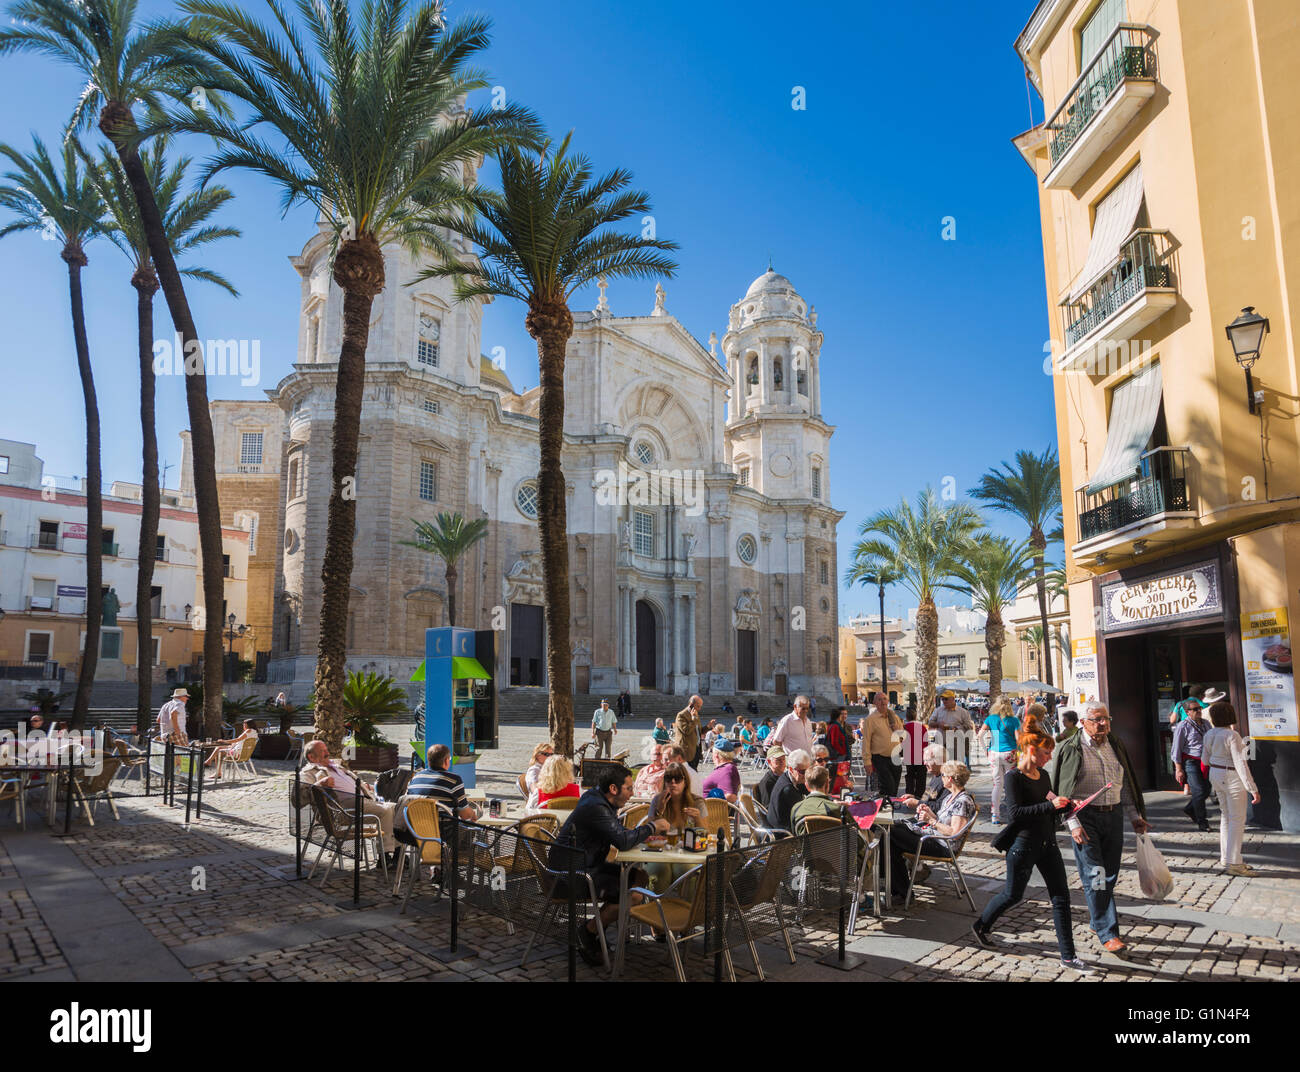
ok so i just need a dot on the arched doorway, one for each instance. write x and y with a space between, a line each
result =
646 645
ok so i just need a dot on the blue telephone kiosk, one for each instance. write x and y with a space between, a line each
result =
457 686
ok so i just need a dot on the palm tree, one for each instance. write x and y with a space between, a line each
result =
540 239
60 201
125 63
922 547
1034 638
873 573
992 575
370 128
185 224
449 536
1031 490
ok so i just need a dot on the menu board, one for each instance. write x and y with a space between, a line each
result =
1270 683
1083 668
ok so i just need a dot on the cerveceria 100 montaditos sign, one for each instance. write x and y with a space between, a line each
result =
1185 593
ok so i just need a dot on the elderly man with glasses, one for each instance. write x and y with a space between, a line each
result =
789 790
1084 764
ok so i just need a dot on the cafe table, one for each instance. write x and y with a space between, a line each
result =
56 772
630 858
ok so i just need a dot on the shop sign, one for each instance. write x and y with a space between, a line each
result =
72 591
1270 683
74 530
1083 669
1193 592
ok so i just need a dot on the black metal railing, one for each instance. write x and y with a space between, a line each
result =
1158 487
1144 263
1129 52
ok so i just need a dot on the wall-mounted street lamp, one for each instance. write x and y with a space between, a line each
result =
1246 334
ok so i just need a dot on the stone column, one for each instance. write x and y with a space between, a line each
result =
764 374
690 634
631 629
670 640
620 624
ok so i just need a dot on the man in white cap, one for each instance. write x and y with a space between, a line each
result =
171 718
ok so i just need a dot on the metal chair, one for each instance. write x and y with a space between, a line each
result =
243 759
549 880
870 852
955 843
11 788
95 788
759 881
339 828
676 917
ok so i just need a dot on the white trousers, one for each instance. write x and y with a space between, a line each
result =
1233 797
999 764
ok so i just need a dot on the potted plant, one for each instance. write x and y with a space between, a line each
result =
367 697
44 701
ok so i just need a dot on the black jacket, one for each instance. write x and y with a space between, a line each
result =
785 795
763 791
1033 818
592 827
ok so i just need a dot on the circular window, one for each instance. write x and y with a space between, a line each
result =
747 549
645 453
526 499
290 541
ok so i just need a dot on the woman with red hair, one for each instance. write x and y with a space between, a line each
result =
1029 840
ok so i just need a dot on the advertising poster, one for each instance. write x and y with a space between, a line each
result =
74 530
1270 683
1084 669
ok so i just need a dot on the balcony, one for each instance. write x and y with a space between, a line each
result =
248 467
45 603
1157 495
1137 288
44 541
1111 90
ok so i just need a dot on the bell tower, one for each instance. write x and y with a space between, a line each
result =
776 440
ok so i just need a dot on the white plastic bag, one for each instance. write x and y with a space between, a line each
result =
1153 874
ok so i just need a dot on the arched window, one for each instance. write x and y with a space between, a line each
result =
751 377
778 376
293 478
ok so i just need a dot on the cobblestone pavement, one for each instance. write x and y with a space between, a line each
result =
149 898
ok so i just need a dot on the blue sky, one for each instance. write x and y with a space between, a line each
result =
932 360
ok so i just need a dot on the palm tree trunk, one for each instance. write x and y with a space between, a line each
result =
551 325
117 124
146 284
1039 543
359 270
76 260
451 595
995 639
927 657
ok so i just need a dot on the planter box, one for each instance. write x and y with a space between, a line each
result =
272 746
371 757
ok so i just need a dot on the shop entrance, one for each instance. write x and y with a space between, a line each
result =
1146 676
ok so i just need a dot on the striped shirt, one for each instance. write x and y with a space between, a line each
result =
445 788
1100 765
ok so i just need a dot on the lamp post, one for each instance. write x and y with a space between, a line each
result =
878 580
232 634
1246 334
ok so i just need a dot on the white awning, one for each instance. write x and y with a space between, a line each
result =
1116 218
1133 410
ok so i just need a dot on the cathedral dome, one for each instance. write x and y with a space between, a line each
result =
770 282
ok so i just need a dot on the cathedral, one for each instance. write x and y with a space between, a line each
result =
701 533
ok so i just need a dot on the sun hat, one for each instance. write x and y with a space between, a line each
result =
180 694
947 694
1212 696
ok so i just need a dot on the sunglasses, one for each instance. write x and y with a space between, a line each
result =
674 778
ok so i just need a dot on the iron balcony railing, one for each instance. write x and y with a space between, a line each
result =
45 541
1129 52
1158 486
1145 262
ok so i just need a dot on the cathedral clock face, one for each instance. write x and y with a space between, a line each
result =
781 465
428 327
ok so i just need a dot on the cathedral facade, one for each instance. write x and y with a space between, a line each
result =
701 534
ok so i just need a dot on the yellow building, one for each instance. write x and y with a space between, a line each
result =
1168 176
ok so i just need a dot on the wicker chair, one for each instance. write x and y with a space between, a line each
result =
95 787
337 823
560 804
635 815
242 759
717 815
955 842
421 817
676 917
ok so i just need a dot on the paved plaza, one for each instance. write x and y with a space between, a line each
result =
148 898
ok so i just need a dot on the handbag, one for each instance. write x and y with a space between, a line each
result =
1153 873
1006 837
